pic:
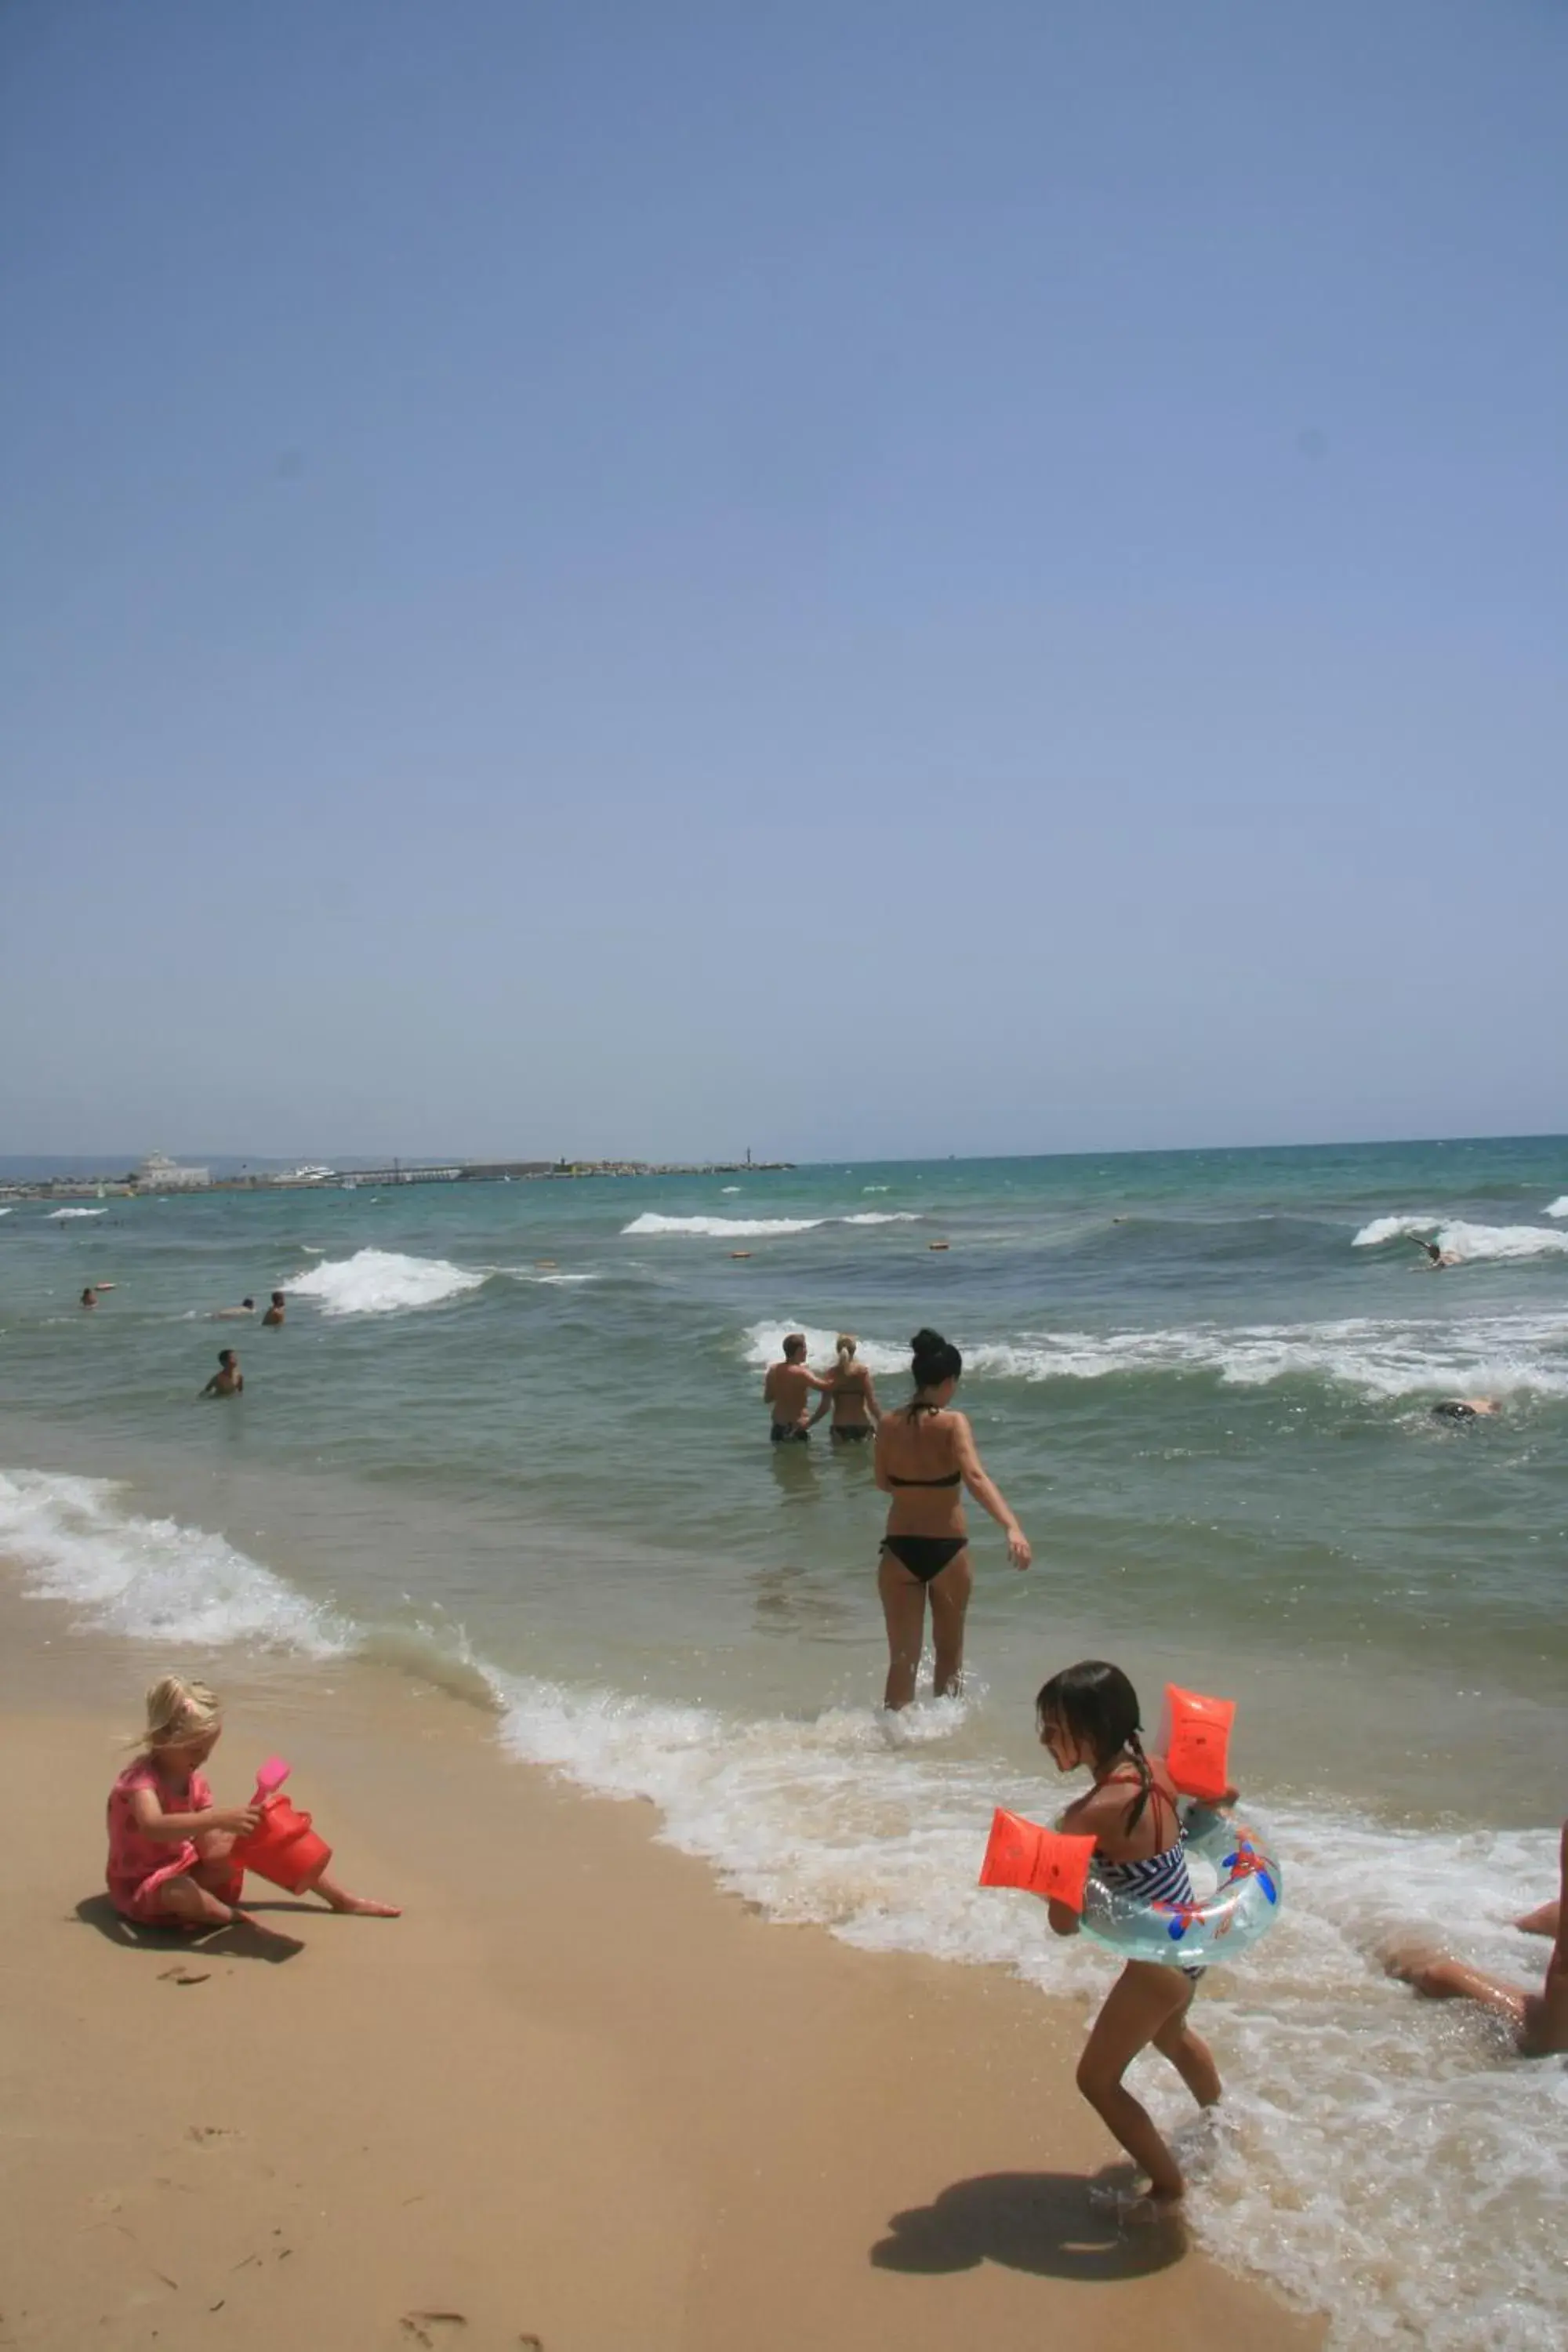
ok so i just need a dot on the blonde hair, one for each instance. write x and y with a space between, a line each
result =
178 1711
845 1344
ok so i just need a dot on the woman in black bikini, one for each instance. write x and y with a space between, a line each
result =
925 1456
851 1397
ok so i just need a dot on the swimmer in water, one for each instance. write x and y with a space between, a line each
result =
274 1315
228 1380
785 1390
1539 2019
851 1399
1466 1408
925 1456
233 1314
89 1296
1437 1257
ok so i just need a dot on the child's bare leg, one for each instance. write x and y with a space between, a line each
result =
186 1899
1542 1922
1139 2009
1438 1977
362 1905
1191 2056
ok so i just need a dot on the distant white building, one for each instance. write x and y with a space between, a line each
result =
158 1173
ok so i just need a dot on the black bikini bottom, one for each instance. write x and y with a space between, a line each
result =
924 1556
849 1435
784 1431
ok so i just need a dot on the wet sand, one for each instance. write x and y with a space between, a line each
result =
577 2095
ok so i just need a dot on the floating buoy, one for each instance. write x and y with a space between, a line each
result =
740 1253
938 1246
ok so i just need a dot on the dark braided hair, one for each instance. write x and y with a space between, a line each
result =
1099 1706
933 1361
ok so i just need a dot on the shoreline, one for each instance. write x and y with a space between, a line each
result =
577 2092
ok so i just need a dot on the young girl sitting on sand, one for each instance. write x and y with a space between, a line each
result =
169 1847
1089 1715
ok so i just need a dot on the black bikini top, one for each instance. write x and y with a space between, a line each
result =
953 1478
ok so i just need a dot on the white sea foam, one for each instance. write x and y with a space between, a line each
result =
1497 1354
152 1579
1558 1208
1392 1229
56 1215
380 1282
754 1228
721 1228
729 1188
1466 1240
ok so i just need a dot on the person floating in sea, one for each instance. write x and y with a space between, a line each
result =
228 1380
89 1296
786 1388
1539 2019
851 1397
274 1315
169 1847
233 1314
925 1455
1436 1256
1088 1715
1467 1408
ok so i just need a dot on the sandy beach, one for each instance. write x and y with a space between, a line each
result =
575 2096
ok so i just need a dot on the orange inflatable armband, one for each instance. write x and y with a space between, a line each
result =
1195 1740
1048 1862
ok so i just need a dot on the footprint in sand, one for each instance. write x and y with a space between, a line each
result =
205 2134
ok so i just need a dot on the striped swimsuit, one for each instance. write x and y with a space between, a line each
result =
1158 1878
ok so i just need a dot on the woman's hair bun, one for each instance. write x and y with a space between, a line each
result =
926 1343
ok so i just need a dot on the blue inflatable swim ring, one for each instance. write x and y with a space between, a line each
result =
1211 1928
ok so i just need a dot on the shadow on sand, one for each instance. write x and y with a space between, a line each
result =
239 1942
1038 2221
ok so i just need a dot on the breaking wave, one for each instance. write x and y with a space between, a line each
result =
756 1228
380 1282
1468 1241
1502 1354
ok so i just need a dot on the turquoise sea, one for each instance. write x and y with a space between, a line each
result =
511 1439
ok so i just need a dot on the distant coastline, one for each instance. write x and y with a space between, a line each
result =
131 1185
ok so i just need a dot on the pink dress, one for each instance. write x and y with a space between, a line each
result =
140 1867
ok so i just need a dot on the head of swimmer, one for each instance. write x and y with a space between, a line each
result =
935 1366
794 1346
184 1724
226 1359
1086 1715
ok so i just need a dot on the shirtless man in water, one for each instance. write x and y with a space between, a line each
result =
1539 2019
787 1390
274 1315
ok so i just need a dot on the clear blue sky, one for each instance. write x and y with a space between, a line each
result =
844 578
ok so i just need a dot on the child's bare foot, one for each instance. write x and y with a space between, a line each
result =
362 1905
1135 2208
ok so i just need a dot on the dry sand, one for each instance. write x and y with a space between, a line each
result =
577 2095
